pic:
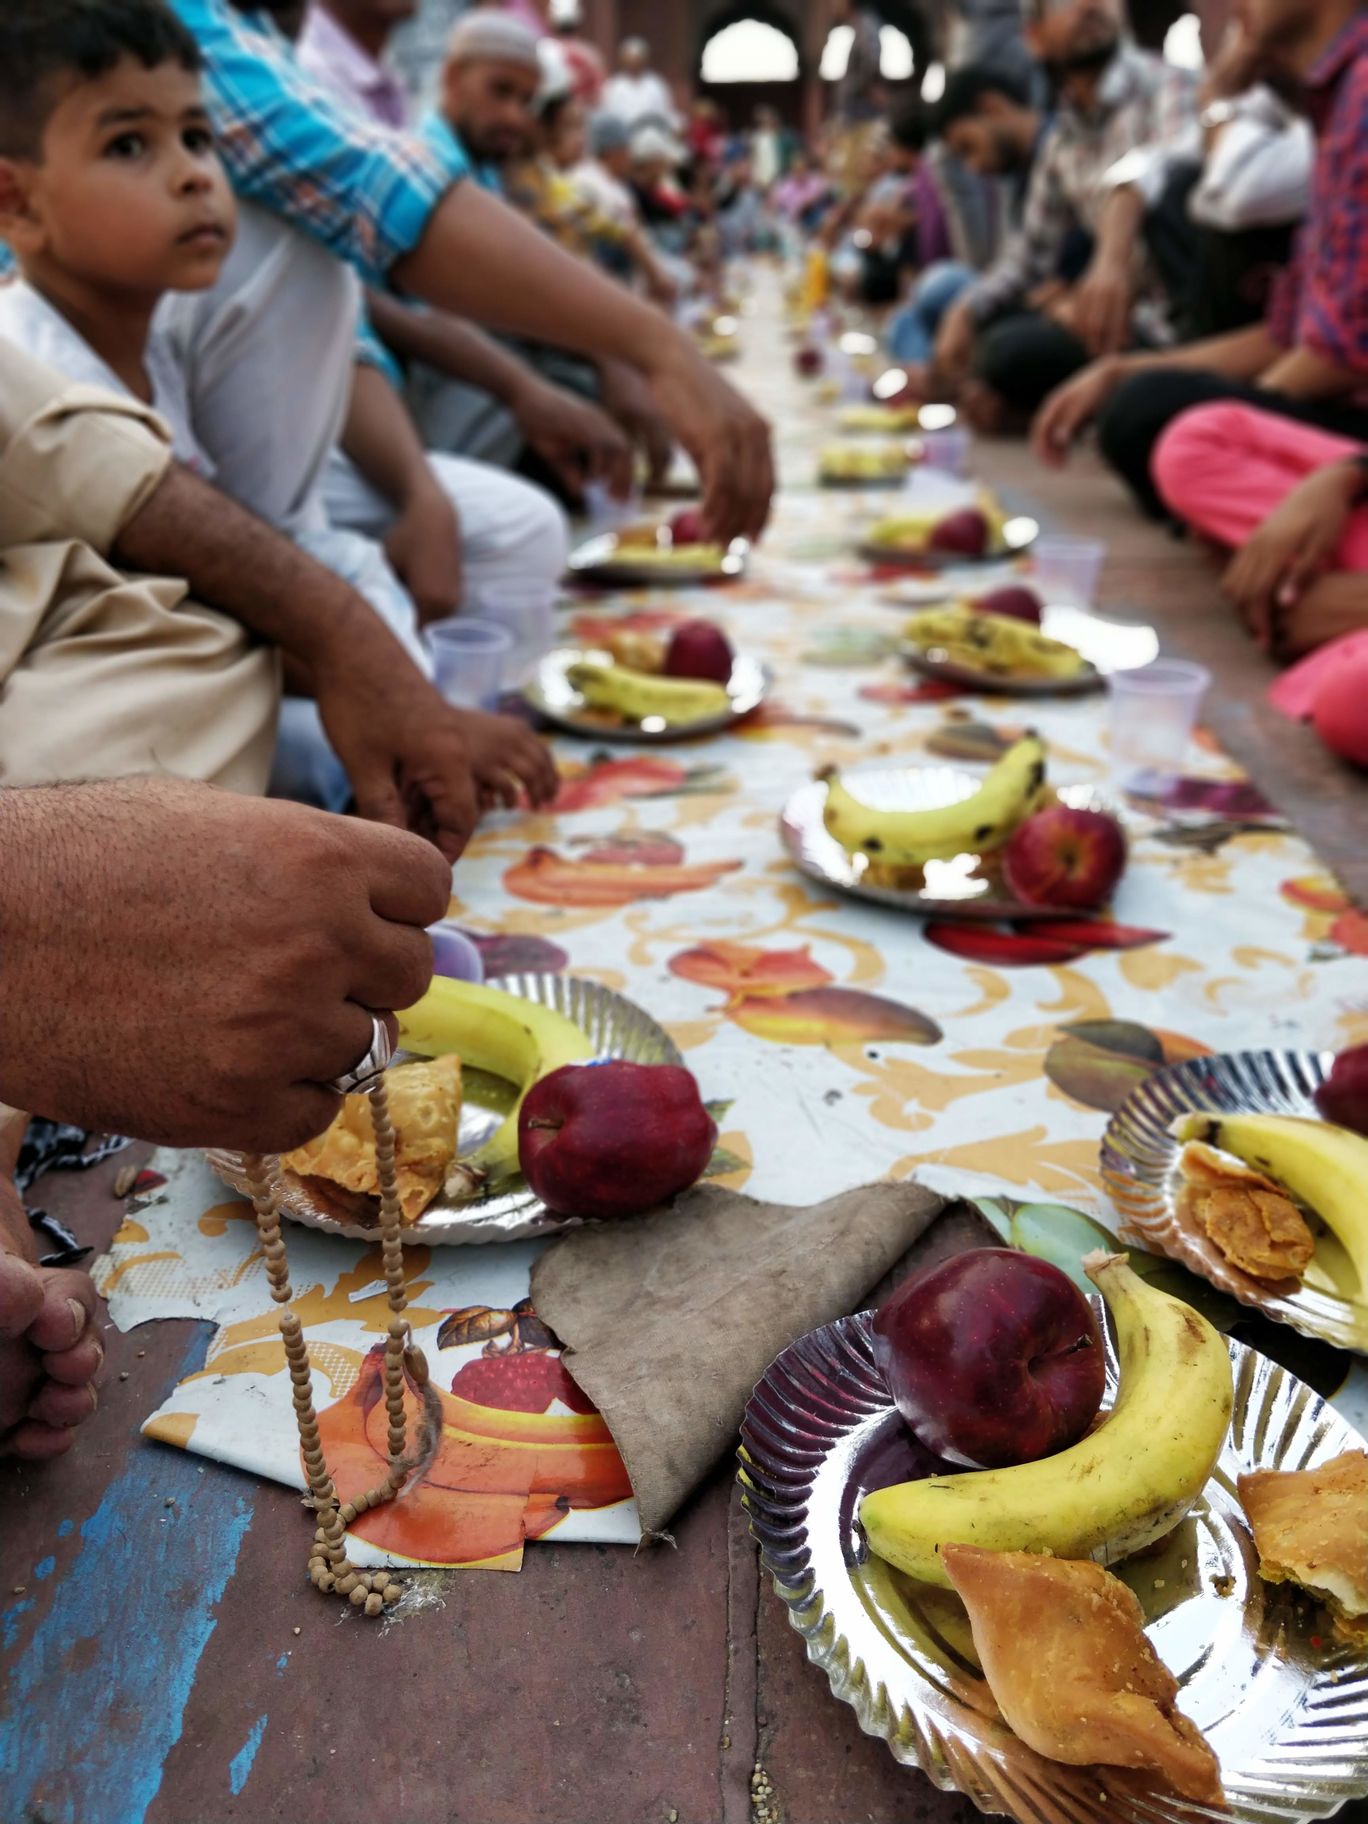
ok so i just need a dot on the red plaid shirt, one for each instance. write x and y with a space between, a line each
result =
1321 301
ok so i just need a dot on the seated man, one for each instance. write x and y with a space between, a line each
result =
1113 100
1308 360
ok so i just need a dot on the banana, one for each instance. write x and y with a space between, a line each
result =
641 697
1322 1166
993 643
499 1033
909 839
1123 1486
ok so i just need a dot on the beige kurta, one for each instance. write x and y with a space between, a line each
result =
102 674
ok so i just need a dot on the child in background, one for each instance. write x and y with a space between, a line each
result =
112 198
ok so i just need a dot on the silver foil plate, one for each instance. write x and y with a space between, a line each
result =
552 695
1283 1706
615 1027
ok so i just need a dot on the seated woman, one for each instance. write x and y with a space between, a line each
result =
1288 500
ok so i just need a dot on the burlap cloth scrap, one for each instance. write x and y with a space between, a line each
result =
669 1321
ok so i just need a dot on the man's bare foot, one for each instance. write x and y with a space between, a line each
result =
1332 606
982 407
50 1352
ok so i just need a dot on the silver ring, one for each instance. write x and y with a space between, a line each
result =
373 1065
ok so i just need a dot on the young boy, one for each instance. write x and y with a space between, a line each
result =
112 198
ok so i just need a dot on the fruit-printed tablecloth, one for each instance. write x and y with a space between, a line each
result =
844 1041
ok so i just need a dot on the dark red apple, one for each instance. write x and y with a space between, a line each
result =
697 649
993 1358
1015 601
686 528
613 1139
809 361
964 532
1063 857
1343 1097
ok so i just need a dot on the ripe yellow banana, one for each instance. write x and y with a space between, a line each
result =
1322 1166
642 697
1123 1486
995 643
499 1033
909 839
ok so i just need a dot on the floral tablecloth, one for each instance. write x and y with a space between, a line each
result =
845 1041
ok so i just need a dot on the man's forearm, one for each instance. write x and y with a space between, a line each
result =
450 345
1118 229
237 564
1244 354
480 259
1301 373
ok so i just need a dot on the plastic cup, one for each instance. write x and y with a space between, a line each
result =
947 450
1153 713
469 658
526 608
604 512
454 954
1068 569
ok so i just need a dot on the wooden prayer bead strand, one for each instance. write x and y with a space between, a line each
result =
399 1347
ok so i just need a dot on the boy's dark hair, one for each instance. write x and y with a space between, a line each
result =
44 40
909 125
966 87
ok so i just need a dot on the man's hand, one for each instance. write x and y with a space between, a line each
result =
580 442
216 962
424 546
627 399
1102 302
1072 407
954 345
508 761
1294 545
727 438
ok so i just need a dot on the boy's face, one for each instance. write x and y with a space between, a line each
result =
128 192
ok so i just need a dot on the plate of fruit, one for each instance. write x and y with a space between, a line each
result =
943 842
483 1080
1003 653
865 465
887 420
929 538
1054 1550
640 688
1252 1169
673 555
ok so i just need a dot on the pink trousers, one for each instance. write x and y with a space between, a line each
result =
1223 468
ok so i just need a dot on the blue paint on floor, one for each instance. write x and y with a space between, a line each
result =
9 1621
240 1767
65 1528
96 1701
282 1662
45 1568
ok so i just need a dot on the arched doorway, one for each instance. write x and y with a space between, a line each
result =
750 58
909 43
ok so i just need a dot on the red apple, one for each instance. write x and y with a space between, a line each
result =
1015 601
1338 714
697 649
686 528
613 1139
964 532
809 361
1343 1097
1063 857
993 1358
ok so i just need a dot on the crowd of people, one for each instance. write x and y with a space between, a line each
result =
298 358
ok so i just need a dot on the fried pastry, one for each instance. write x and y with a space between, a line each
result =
1311 1528
1062 1645
1251 1220
425 1108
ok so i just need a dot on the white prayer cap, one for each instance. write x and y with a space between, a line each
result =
557 78
488 35
651 143
567 12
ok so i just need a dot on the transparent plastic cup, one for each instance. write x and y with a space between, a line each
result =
1153 713
527 610
1068 570
454 954
604 512
947 450
469 660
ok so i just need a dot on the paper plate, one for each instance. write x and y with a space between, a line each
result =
616 1028
969 887
1018 534
608 563
1285 1710
552 695
1139 1168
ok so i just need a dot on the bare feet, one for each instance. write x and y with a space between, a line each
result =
982 407
50 1353
1333 605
